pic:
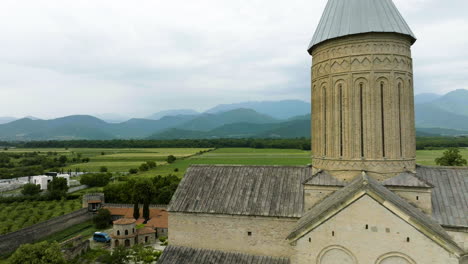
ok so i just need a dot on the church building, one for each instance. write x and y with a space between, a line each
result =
364 199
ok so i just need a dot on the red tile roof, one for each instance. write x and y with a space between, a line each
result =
158 217
124 221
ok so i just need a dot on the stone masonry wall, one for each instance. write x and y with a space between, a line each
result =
368 233
9 242
363 106
248 234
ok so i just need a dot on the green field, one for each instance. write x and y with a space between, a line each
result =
427 157
17 215
248 156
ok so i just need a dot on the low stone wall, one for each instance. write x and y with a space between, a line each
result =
9 242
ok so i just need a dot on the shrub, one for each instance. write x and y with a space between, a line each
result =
103 169
151 164
171 159
144 167
102 219
31 189
96 179
133 171
43 252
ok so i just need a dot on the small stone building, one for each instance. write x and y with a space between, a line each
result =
126 234
146 235
93 201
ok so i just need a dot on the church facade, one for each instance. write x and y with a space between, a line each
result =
364 199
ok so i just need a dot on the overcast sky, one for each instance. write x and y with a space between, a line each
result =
63 57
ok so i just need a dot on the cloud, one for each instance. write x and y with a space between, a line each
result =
63 57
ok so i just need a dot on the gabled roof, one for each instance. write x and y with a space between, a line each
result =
242 190
365 185
450 194
186 255
349 17
322 178
407 179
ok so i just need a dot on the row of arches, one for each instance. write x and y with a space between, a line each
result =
364 120
340 255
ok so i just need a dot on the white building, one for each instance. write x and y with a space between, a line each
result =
43 180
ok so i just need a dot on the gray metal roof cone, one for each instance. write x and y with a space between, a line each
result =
349 17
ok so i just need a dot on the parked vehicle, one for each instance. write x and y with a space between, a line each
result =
101 237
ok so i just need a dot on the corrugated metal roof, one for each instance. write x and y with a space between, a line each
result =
450 194
185 255
368 185
242 190
349 17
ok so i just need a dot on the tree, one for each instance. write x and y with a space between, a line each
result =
103 169
96 179
31 189
171 159
451 157
146 255
151 164
144 167
63 159
120 255
57 188
39 253
102 219
133 171
136 210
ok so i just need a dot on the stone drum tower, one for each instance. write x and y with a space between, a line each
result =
362 90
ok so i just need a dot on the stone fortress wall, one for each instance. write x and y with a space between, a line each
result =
363 107
9 242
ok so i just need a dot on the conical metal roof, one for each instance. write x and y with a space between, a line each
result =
349 17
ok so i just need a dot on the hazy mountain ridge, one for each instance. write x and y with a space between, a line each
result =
438 115
277 109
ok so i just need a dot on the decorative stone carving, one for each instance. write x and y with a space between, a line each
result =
368 124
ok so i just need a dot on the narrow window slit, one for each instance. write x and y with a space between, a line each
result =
333 233
408 239
383 116
324 98
341 119
399 119
367 226
361 88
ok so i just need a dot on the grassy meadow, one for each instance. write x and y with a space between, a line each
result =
123 159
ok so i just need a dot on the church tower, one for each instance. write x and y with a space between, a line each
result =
362 90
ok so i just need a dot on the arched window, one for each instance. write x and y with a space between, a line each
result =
126 232
336 255
133 230
118 232
395 258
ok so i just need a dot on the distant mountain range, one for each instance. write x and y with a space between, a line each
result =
435 115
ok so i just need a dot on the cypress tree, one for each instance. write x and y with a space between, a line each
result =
136 211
